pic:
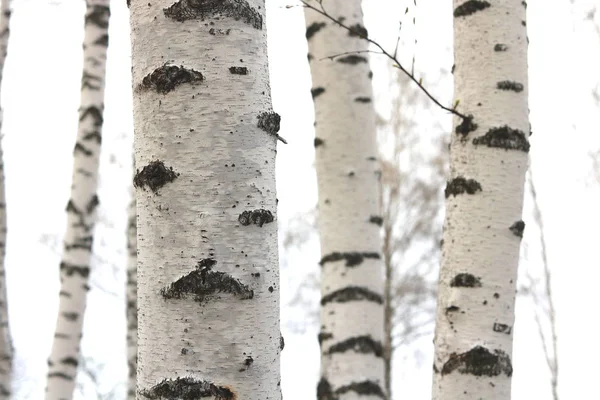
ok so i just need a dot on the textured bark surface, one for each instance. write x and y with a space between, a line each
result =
484 199
81 208
351 335
131 297
205 145
6 349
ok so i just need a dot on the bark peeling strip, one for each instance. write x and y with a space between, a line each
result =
479 361
376 219
502 328
460 185
314 28
351 293
257 217
319 142
352 59
470 7
187 389
238 70
465 280
505 138
360 344
166 78
154 175
357 30
323 336
517 228
510 85
185 10
362 99
352 258
365 388
204 283
314 92
466 126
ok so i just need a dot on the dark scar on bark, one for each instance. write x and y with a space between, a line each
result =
517 228
323 336
102 41
479 361
309 57
319 142
70 316
270 123
376 219
98 15
500 47
357 30
360 344
505 138
203 284
281 342
351 293
362 99
72 269
257 217
352 59
61 375
166 78
364 388
466 126
465 280
352 258
470 7
324 390
315 92
238 70
154 175
185 10
502 328
510 85
314 28
187 388
460 185
452 309
69 361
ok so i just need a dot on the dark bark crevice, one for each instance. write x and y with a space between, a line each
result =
187 388
352 259
352 293
479 361
184 10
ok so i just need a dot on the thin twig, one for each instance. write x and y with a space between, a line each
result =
348 52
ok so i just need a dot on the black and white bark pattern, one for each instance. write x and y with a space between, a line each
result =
484 199
131 298
351 334
6 349
81 208
205 145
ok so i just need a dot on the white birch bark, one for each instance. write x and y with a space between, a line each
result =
6 349
352 365
81 208
484 199
131 296
205 144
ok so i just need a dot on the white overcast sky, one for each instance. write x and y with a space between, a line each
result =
40 96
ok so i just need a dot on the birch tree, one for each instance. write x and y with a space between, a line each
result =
205 145
6 349
131 296
484 200
349 212
81 207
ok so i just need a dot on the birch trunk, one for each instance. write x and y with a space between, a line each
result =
352 364
205 145
484 199
6 349
81 208
131 307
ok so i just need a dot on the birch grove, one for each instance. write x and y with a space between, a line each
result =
205 145
81 208
349 217
484 200
6 349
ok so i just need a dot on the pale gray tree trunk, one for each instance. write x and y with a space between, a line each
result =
81 208
6 349
484 199
205 145
349 211
131 297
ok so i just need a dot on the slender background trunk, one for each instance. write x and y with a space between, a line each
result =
131 297
81 208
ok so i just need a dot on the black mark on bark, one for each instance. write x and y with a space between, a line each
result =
517 228
352 258
505 138
470 7
72 269
466 126
187 389
452 309
184 10
324 390
317 91
269 122
238 70
376 219
360 344
351 293
465 280
365 388
500 47
60 375
154 175
352 59
258 217
524 4
281 342
358 30
70 316
323 336
69 361
309 57
314 28
102 41
510 85
502 328
97 15
319 142
166 78
204 283
460 185
362 99
479 361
